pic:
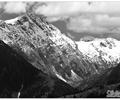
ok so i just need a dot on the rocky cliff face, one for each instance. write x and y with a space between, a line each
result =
78 64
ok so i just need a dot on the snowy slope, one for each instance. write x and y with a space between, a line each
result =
107 48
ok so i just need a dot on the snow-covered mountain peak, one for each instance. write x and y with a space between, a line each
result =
107 48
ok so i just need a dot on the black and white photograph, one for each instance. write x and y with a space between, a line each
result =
59 49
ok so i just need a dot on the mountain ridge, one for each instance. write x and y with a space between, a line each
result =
42 44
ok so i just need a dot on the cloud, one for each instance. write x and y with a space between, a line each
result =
64 8
54 19
15 7
58 9
106 20
96 24
92 17
74 8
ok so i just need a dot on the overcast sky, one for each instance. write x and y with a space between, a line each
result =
76 19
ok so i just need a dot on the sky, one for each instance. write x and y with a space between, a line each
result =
74 18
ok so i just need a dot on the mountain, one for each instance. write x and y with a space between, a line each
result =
101 50
78 64
19 79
